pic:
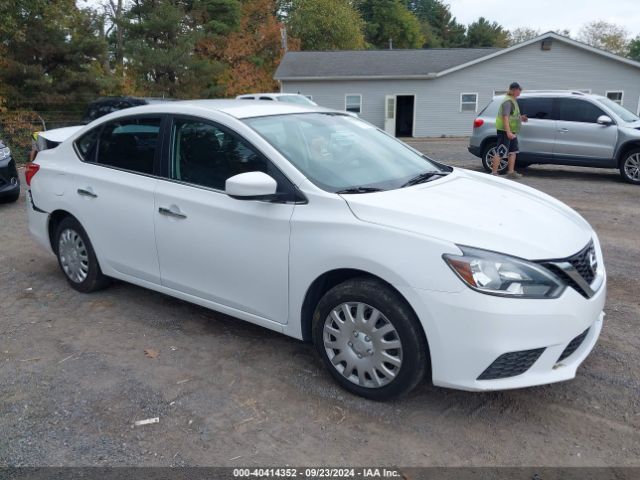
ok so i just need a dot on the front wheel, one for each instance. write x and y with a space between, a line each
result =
630 167
488 153
370 339
76 257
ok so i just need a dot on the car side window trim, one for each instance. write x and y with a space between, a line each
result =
294 195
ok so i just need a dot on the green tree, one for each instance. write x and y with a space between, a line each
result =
634 49
317 29
483 33
439 26
389 21
53 53
169 44
605 35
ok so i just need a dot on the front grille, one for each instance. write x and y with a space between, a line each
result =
511 364
582 262
573 345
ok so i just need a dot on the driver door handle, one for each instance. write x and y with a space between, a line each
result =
171 212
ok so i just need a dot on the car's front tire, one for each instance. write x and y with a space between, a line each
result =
369 339
630 166
10 198
77 258
488 153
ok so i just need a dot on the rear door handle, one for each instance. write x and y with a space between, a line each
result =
171 212
87 192
563 130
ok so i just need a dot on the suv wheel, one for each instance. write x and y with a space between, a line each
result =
487 158
370 339
630 166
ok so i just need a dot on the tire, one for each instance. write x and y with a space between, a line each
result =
630 166
77 258
361 365
487 154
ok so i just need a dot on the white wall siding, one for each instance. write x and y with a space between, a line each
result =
438 101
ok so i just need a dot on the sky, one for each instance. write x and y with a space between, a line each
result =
545 15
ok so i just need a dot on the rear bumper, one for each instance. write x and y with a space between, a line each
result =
474 150
38 223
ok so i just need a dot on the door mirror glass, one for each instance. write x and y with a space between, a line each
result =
605 120
251 186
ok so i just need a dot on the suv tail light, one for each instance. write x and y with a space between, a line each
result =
478 122
29 171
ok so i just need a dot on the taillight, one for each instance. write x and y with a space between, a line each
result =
29 171
478 122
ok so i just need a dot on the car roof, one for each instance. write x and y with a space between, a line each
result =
270 94
239 109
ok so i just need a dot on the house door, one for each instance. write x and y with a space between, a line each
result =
390 114
404 115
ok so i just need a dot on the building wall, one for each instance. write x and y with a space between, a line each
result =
438 101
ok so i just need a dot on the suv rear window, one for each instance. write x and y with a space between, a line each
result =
540 108
575 110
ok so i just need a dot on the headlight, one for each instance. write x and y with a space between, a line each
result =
496 274
5 153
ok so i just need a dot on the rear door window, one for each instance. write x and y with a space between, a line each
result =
130 144
576 110
539 108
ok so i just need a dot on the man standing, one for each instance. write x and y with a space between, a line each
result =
508 124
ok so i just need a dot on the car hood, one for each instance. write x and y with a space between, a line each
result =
476 210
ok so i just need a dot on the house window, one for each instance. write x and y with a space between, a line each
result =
616 96
353 103
468 102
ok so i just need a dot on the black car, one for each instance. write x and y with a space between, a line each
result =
105 105
9 181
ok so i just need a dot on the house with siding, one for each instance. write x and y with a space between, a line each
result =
439 92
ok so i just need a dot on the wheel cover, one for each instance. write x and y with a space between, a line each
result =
362 345
632 167
488 159
73 255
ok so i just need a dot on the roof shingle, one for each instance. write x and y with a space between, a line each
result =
375 63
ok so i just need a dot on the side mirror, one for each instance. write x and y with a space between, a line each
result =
251 186
605 120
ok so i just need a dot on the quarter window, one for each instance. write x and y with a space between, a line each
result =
468 102
615 96
574 110
86 145
353 103
130 144
539 108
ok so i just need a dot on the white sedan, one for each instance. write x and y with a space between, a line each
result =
319 225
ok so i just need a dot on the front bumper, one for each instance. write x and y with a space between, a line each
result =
9 180
468 331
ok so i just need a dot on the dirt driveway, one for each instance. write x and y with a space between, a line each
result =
74 375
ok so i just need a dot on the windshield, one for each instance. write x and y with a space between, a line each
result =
340 152
299 99
619 110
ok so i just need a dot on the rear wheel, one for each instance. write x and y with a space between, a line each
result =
630 166
488 153
77 258
369 339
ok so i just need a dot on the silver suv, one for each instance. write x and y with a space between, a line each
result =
566 128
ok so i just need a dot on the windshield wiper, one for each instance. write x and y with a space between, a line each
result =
360 190
423 177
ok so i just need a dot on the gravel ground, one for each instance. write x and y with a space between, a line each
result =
75 376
